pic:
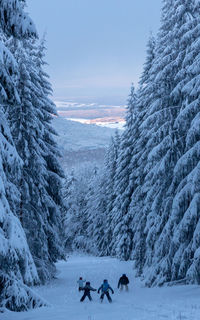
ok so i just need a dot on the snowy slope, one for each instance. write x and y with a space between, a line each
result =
75 136
173 303
81 143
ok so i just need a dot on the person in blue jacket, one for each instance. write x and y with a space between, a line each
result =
104 288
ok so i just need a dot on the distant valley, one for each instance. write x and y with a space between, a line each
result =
81 145
84 132
92 113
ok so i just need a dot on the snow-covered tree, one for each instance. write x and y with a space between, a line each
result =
122 233
54 173
182 228
75 193
165 144
108 189
96 213
40 184
17 269
139 160
13 20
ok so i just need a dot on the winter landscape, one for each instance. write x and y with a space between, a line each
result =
100 187
83 140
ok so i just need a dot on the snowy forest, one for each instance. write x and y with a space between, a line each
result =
143 205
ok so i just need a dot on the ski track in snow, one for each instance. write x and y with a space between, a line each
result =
140 303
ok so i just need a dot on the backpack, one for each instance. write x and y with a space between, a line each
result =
105 286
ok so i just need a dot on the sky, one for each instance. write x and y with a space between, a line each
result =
95 48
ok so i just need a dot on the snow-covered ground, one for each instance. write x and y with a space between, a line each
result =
140 303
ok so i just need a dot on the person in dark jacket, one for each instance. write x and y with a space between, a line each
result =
123 282
87 288
104 288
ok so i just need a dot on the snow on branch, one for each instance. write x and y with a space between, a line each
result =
14 21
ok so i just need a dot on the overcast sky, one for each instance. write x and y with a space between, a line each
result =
95 48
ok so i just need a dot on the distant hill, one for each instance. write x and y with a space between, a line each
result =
81 144
92 113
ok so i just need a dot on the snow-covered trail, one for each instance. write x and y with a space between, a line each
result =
140 303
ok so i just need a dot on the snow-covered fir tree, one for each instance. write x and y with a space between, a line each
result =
17 269
75 195
78 190
139 160
40 185
183 225
71 210
100 201
122 234
96 213
109 191
51 154
13 20
166 143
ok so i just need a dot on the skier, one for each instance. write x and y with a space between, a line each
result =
105 287
80 283
87 290
123 282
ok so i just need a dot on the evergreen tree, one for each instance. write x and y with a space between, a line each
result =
109 190
40 186
70 209
183 225
17 269
13 20
139 160
75 193
122 235
164 145
100 201
54 173
96 213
